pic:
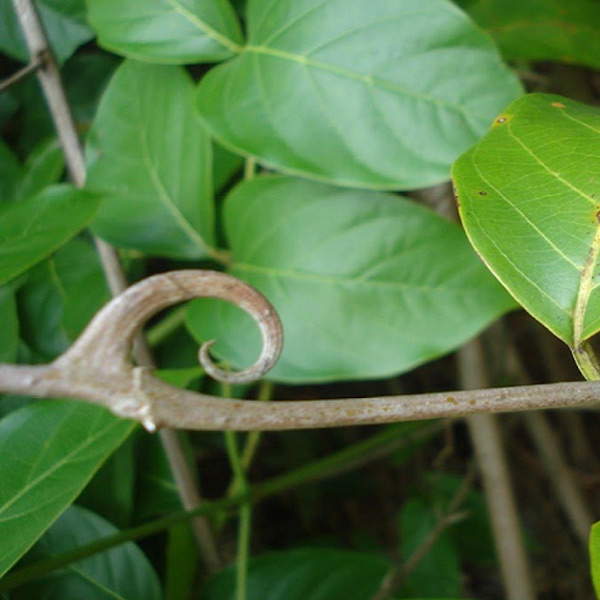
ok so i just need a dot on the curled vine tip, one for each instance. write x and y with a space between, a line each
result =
260 309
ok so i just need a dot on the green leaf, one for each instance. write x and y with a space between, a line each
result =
472 535
529 198
43 167
156 491
385 95
61 296
10 172
181 563
180 377
307 574
543 29
595 557
367 284
79 277
8 106
41 309
110 493
167 31
32 229
438 573
9 330
86 77
225 165
63 20
148 153
48 452
122 572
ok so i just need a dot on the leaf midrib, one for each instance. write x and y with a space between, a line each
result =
164 195
340 280
205 27
368 80
57 465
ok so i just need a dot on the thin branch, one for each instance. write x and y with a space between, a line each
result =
26 71
397 575
487 441
188 488
54 92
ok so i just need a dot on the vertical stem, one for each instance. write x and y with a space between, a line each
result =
54 92
485 433
245 516
190 497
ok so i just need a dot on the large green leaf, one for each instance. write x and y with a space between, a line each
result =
307 574
122 572
9 328
32 229
381 94
595 557
63 20
529 198
151 157
167 31
48 452
543 29
367 284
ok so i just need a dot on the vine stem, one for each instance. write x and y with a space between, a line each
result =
49 77
491 459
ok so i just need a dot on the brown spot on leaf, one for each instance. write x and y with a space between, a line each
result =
482 193
559 105
501 120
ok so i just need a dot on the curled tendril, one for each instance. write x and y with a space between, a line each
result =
110 334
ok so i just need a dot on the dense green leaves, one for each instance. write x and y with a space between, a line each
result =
64 22
529 198
384 95
150 156
543 29
122 572
48 452
167 31
367 284
308 574
32 229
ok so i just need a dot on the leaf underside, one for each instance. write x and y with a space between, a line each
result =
529 199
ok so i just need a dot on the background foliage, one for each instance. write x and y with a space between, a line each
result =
292 143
